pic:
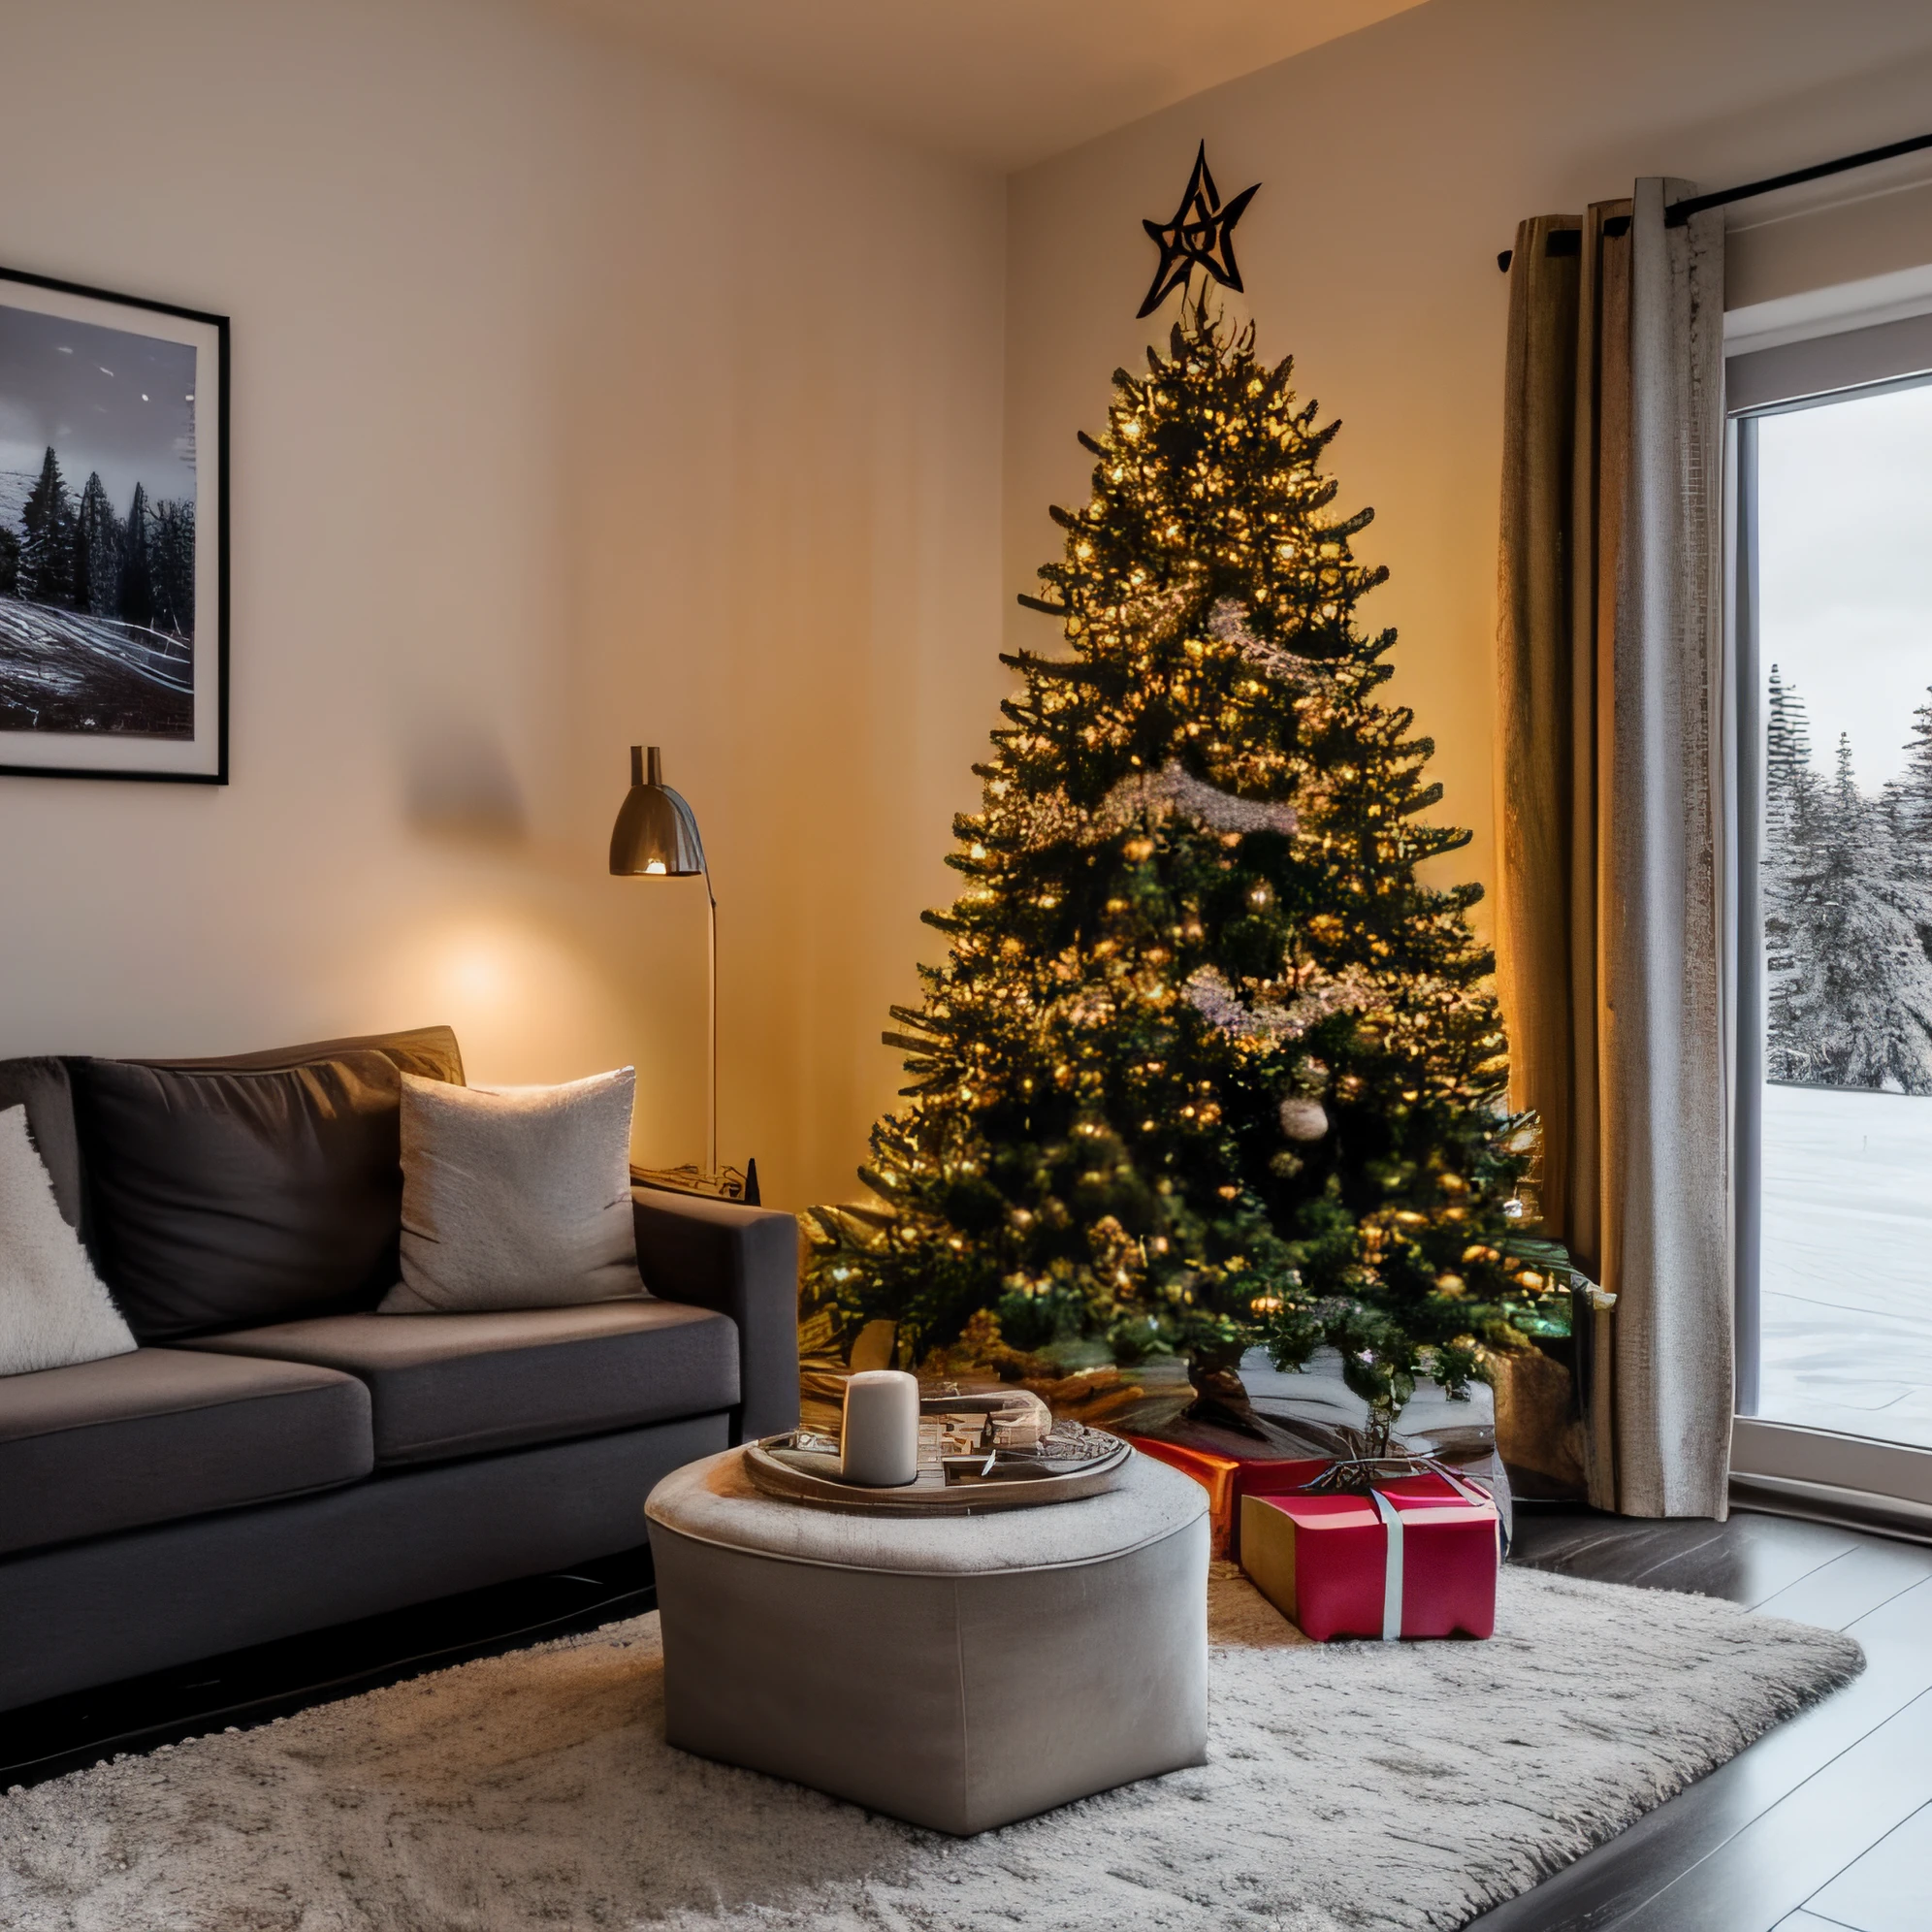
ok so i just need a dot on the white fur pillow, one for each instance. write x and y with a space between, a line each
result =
54 1311
515 1196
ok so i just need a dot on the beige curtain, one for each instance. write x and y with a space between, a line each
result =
1612 946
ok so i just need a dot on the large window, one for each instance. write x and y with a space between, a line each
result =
1835 895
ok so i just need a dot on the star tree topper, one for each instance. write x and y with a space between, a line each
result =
1201 235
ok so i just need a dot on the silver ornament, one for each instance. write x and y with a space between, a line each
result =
1303 1119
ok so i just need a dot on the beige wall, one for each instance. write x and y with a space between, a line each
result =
576 401
1394 164
580 399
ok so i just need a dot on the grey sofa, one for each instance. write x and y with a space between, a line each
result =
276 1457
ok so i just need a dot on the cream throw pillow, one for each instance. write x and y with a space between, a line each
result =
515 1196
54 1311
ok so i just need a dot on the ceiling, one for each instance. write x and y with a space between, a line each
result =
999 82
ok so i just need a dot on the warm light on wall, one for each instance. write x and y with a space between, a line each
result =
528 1004
477 974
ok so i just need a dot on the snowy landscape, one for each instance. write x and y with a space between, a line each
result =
97 612
1845 1291
67 670
97 529
1846 1278
1846 1283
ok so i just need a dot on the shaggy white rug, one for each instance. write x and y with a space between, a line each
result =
1349 1786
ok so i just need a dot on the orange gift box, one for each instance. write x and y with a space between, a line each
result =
1228 1479
1416 1557
1214 1473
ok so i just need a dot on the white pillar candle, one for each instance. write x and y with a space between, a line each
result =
881 1441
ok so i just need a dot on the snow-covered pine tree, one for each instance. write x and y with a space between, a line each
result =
1846 920
1877 978
135 600
1792 882
173 553
1791 786
1910 799
1207 1064
47 555
97 548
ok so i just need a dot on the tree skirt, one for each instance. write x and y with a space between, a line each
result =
1349 1786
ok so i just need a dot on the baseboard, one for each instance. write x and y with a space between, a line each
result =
1824 1502
1828 1477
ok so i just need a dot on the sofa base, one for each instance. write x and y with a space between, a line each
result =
93 1613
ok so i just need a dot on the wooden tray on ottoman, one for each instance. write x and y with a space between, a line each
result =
778 1469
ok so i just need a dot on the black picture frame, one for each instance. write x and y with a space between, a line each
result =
167 756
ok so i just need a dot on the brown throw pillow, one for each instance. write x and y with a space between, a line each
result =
428 1051
219 1198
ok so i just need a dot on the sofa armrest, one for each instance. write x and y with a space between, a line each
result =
743 1261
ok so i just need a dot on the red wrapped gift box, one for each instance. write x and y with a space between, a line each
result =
1415 1557
1228 1479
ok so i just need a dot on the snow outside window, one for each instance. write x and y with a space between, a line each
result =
1838 490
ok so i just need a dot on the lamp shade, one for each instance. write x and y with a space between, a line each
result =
655 834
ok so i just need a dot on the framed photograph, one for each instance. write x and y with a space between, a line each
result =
113 535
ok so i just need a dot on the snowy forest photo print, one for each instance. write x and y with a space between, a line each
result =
103 505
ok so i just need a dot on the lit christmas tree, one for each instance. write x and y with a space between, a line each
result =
1205 1065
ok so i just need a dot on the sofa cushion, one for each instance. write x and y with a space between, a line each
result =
43 1088
515 1196
428 1051
219 1198
54 1311
163 1434
462 1384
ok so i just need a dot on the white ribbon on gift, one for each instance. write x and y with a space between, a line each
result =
1392 1568
1476 1492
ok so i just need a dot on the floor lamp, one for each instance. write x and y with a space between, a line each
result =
656 837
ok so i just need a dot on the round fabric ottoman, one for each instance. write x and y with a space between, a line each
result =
957 1672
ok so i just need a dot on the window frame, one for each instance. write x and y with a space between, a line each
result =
1787 1466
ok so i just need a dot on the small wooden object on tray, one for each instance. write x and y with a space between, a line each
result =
977 1453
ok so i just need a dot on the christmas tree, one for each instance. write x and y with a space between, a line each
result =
1205 1065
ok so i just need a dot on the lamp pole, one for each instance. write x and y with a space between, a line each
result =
711 1089
656 837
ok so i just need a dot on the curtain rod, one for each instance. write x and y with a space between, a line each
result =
1680 212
